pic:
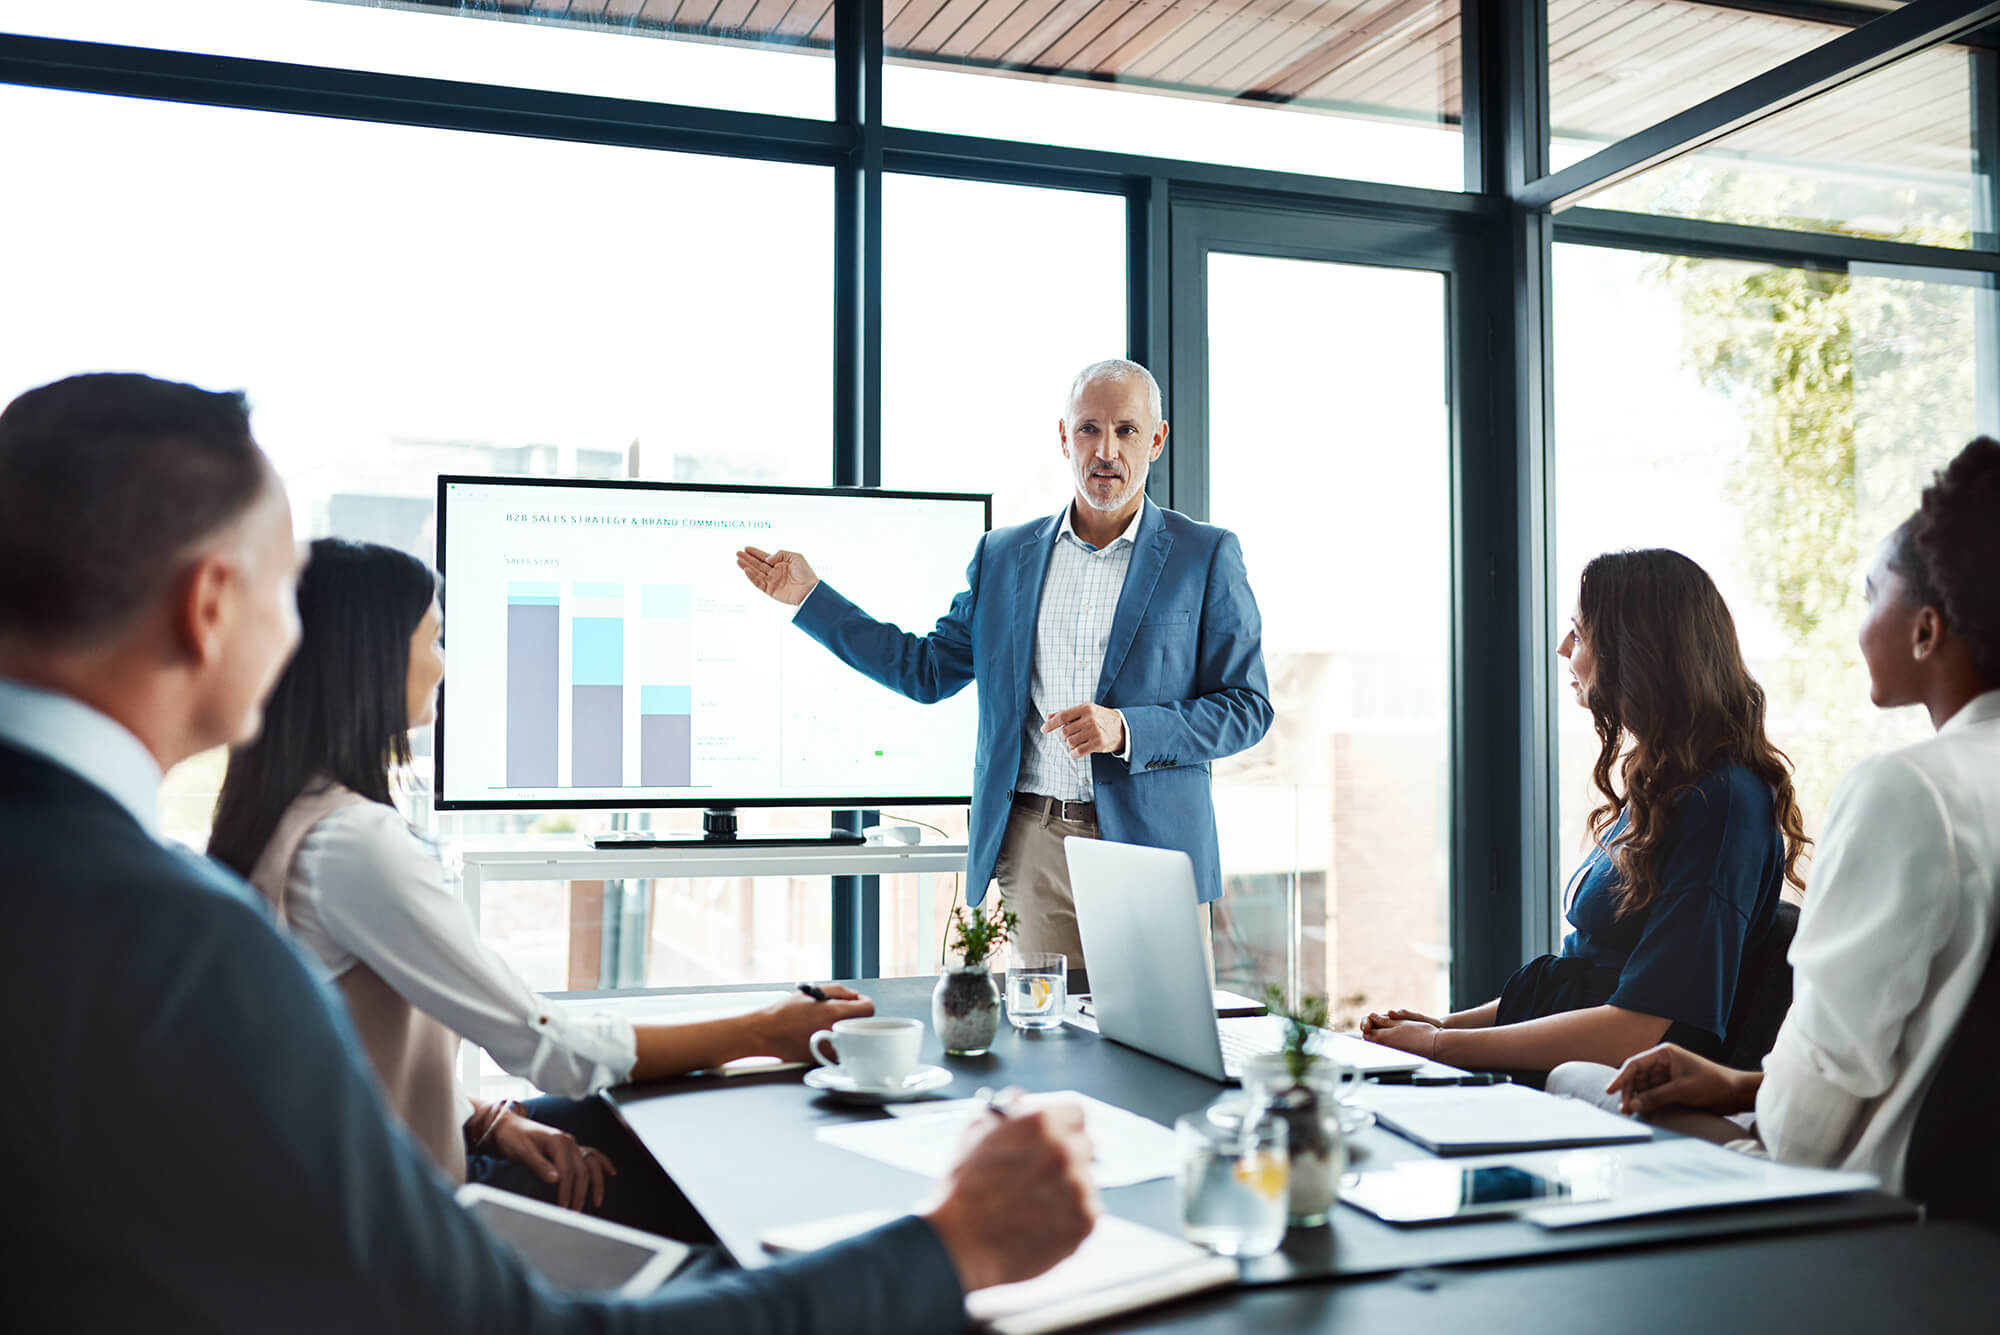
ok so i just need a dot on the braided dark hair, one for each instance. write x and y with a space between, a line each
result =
1948 552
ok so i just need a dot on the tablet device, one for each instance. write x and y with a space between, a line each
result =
1436 1193
572 1250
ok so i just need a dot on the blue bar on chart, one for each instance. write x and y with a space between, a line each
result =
534 634
666 700
597 693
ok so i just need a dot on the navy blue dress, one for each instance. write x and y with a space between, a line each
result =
1720 871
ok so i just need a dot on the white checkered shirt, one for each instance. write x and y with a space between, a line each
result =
1079 599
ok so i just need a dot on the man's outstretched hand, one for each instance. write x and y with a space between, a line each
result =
783 575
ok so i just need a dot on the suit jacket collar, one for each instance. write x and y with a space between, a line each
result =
1149 558
91 746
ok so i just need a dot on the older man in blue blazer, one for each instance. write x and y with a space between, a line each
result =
1116 649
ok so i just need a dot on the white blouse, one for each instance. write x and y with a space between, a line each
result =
1898 925
364 888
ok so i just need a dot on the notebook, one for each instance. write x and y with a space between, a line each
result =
1121 1267
1492 1119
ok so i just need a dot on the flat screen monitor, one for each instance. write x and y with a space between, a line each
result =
602 649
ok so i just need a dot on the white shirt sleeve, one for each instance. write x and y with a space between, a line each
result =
381 895
1880 904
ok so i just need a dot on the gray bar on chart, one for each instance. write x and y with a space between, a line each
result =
532 630
597 736
666 750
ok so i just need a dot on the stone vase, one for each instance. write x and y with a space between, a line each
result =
965 1009
1310 1107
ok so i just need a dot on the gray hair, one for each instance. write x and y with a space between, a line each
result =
1116 368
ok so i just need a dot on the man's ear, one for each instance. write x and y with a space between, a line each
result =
202 609
1159 441
1062 434
1926 633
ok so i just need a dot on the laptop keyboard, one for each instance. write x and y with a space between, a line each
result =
1243 1039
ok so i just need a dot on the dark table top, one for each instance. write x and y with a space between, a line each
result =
742 1148
1883 1280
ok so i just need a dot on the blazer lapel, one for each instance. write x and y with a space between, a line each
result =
1149 558
1031 570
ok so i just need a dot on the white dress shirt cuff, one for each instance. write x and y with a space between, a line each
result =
1125 752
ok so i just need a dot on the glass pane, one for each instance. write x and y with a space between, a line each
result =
1619 66
1330 455
1889 155
404 302
737 55
1367 89
1788 419
993 298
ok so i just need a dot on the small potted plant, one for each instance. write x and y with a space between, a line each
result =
965 1008
1305 1091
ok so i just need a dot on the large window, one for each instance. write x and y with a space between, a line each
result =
1367 90
1773 424
1888 156
1329 457
403 302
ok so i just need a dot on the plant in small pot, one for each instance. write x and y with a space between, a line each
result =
1305 1091
965 1008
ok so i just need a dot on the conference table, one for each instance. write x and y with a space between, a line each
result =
743 1149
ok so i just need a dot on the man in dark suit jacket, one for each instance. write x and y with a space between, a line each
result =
199 1144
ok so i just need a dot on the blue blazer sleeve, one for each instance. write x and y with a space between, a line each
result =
264 1176
1231 709
927 668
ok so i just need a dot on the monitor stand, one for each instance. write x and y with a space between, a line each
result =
718 830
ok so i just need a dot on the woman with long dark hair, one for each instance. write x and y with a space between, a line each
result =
307 816
1897 942
1696 835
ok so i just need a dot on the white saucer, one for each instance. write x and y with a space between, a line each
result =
919 1083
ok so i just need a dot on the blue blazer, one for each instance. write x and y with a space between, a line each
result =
1185 663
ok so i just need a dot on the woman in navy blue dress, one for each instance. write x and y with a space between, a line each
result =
1697 833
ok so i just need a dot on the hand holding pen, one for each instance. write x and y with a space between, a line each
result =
783 1028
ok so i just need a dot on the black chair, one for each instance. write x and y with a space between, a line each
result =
1763 994
1953 1163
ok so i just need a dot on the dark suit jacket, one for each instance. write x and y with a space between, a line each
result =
195 1142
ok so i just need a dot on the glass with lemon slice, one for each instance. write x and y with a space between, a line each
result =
1234 1177
1037 989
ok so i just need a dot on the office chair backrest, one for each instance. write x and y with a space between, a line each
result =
1763 993
1953 1164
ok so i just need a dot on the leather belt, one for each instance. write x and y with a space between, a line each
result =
1054 806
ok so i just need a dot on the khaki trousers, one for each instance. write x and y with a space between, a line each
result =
1033 875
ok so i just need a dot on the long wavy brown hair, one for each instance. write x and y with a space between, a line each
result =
1673 702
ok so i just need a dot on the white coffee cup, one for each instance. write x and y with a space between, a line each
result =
875 1051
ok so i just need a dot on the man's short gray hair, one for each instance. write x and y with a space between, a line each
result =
1116 368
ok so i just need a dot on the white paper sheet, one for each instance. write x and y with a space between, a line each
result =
1680 1173
684 1008
923 1138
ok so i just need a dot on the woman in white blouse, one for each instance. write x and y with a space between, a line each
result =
306 816
1904 907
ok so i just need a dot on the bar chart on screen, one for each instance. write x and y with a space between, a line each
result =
603 646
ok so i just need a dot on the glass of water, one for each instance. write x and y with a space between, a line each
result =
1233 1177
1037 989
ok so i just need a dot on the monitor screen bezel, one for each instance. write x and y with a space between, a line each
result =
839 802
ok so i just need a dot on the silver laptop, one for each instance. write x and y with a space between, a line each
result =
1149 984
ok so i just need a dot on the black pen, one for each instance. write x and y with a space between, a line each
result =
814 992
